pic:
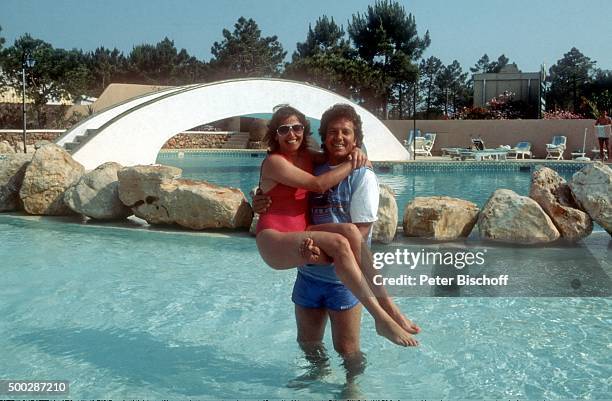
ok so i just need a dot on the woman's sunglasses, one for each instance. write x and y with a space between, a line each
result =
284 129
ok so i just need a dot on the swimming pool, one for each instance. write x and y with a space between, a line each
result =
473 181
126 312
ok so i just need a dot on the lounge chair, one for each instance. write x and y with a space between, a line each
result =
595 152
478 143
485 154
480 152
420 146
408 142
452 152
555 149
430 139
521 148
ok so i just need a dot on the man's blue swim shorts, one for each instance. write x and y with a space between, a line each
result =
312 293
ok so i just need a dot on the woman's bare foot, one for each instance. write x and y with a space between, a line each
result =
396 314
394 333
309 251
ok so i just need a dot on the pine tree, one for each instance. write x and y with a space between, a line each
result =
386 38
245 53
569 77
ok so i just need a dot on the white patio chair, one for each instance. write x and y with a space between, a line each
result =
555 149
420 147
522 148
430 139
408 142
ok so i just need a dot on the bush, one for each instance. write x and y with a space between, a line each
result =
562 115
45 117
501 107
473 113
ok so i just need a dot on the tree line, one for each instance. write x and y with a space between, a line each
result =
377 62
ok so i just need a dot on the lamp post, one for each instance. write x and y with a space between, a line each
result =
414 129
26 62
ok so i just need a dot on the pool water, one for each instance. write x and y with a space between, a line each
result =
128 313
473 184
124 311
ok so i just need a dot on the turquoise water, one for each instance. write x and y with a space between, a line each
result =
475 184
144 314
132 312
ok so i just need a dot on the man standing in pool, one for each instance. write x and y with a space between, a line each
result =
318 294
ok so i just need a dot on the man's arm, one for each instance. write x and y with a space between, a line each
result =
364 201
261 203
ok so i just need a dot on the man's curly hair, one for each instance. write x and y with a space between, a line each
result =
341 110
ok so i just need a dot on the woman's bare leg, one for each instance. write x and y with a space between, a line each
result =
364 259
282 251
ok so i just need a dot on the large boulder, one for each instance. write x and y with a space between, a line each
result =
51 172
41 143
553 194
12 171
156 194
439 217
6 148
253 227
96 194
509 217
386 224
30 148
138 182
592 189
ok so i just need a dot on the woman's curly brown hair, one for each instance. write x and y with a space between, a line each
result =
281 113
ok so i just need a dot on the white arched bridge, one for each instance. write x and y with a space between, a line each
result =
134 131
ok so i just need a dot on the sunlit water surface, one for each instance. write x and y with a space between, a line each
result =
125 312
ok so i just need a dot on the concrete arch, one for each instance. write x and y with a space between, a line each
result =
135 136
95 121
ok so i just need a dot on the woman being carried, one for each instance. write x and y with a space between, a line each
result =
284 238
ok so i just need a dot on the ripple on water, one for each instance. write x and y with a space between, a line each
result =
122 313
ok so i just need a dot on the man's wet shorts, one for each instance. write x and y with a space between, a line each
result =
312 293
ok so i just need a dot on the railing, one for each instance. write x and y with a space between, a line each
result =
59 131
39 131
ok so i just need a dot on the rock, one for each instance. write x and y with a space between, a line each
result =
592 189
439 217
96 194
510 217
12 171
553 194
386 225
136 183
6 148
199 205
156 194
30 148
47 177
253 227
41 143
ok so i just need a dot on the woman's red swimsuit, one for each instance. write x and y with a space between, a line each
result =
289 209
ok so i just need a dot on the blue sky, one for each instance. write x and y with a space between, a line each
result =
528 32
